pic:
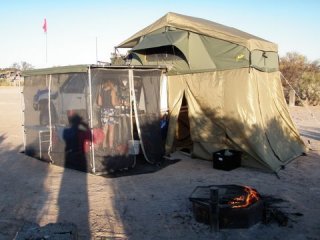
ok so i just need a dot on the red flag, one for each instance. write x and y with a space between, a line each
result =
44 27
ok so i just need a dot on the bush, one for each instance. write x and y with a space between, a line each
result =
302 76
310 88
4 82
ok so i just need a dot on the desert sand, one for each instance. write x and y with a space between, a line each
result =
148 206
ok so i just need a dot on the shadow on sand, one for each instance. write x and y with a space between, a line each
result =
24 194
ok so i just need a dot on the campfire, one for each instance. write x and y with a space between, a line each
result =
249 197
227 206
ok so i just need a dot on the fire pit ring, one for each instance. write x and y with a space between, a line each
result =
227 206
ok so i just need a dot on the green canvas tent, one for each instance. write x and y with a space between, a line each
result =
229 80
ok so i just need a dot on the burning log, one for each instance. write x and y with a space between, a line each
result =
245 200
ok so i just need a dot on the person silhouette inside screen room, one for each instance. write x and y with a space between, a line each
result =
107 100
76 137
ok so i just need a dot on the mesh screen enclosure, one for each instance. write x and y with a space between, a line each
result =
96 120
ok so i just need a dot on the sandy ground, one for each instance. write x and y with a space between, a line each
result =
149 206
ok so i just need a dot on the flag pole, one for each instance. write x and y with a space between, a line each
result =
45 28
96 50
46 48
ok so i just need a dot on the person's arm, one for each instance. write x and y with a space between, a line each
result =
99 98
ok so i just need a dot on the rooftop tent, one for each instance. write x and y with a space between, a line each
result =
93 118
202 27
187 44
230 82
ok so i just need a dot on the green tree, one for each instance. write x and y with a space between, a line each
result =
310 86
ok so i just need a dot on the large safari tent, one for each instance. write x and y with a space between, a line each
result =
220 86
230 82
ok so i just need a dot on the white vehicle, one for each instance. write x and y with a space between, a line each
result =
70 97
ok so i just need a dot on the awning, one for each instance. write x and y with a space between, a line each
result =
171 38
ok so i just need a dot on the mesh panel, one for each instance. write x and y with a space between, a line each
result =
68 99
111 119
147 94
71 132
34 87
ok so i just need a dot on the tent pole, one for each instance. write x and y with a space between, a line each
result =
131 89
22 116
91 121
131 97
50 120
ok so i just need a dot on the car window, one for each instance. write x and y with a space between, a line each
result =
76 83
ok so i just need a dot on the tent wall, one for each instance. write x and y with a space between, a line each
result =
66 124
238 109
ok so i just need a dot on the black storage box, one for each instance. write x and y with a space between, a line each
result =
227 159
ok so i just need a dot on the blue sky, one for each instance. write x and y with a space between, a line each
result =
74 26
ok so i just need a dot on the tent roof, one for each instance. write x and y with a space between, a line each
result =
82 69
204 27
55 70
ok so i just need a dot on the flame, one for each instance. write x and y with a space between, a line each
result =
245 200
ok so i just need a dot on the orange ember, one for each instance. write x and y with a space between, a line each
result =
251 196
